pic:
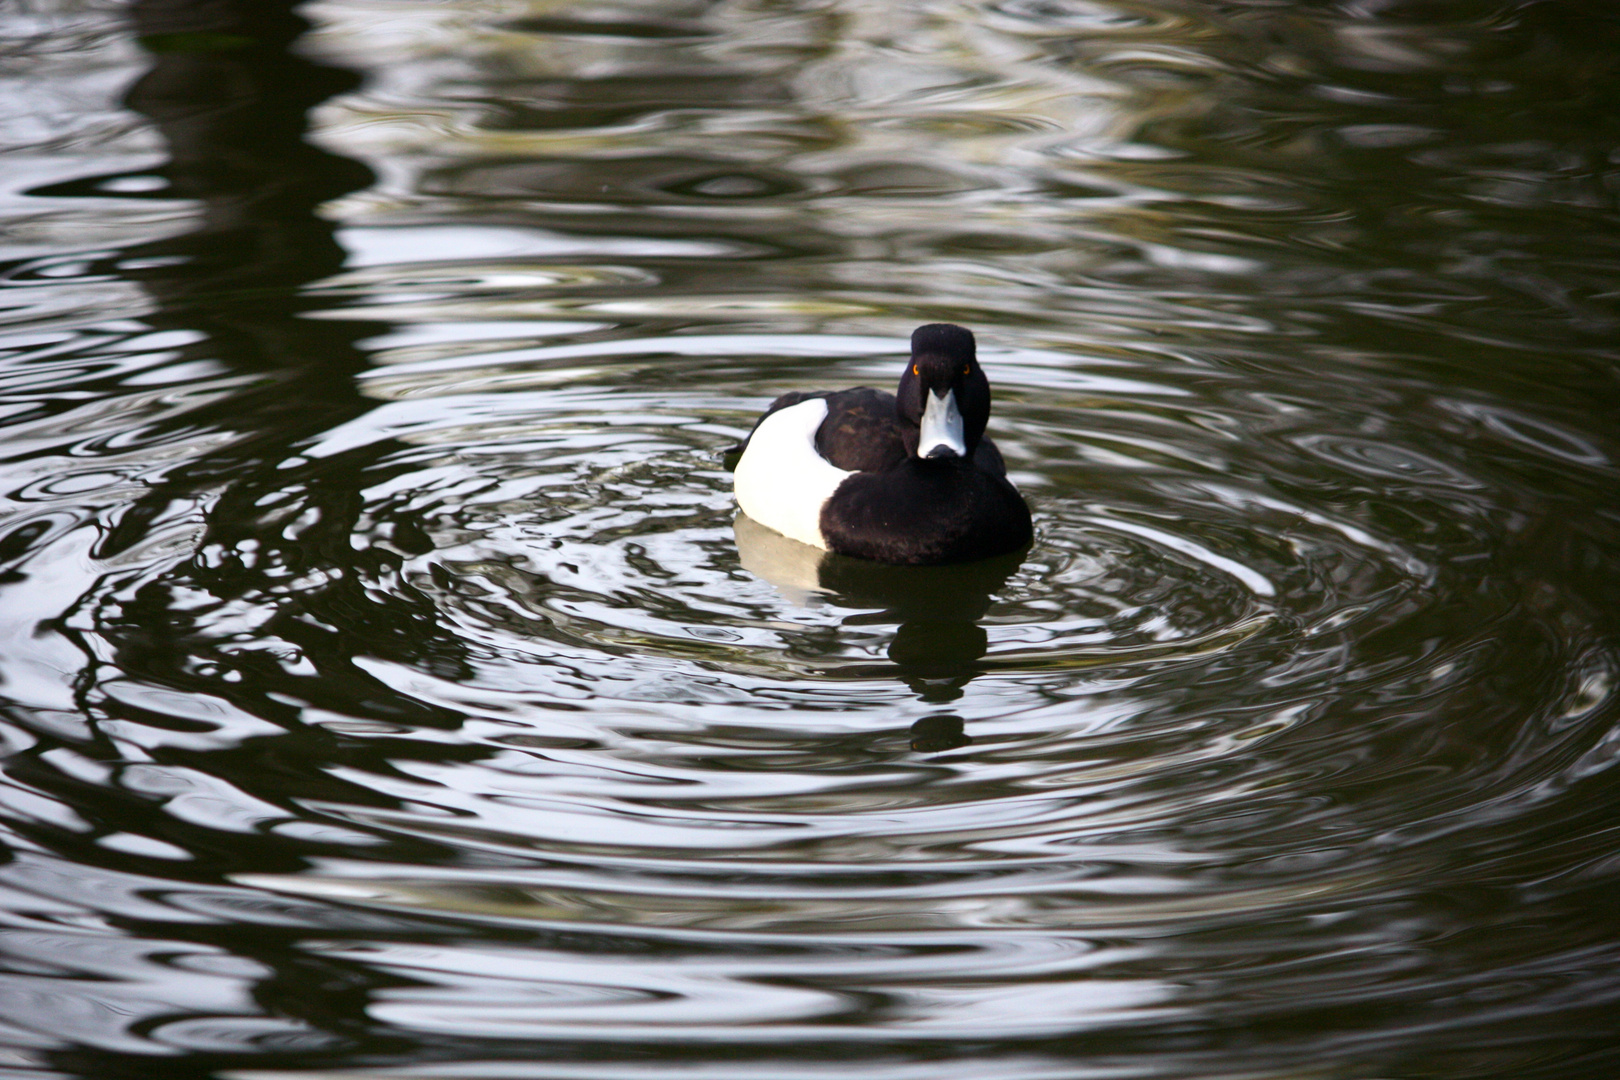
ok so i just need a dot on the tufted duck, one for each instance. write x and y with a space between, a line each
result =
903 478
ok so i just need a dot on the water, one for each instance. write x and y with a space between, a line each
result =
389 690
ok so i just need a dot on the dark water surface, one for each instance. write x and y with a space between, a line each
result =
387 690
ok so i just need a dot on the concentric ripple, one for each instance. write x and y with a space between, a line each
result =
1262 684
1199 716
564 518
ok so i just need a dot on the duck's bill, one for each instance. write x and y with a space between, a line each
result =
941 434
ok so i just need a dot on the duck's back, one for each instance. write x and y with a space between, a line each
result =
861 433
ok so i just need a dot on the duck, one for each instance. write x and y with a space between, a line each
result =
908 478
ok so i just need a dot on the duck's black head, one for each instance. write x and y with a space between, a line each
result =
943 392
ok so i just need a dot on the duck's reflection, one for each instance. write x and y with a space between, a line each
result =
938 646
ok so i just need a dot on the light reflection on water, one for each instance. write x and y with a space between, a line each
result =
389 684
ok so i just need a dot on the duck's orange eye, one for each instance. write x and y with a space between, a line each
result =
967 369
914 370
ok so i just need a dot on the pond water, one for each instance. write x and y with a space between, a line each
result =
388 688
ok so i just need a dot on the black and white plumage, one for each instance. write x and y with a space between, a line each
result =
905 478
